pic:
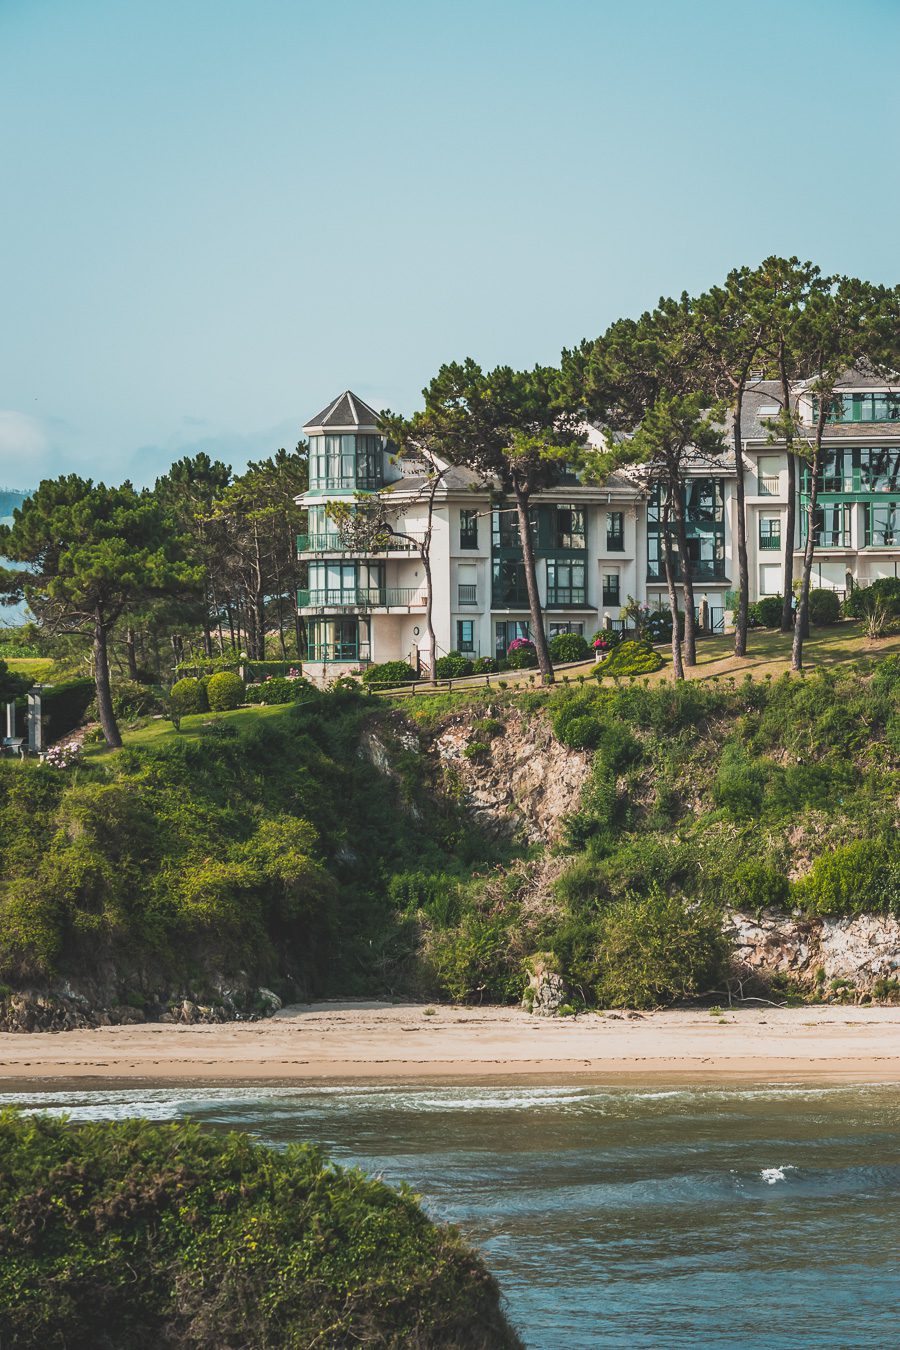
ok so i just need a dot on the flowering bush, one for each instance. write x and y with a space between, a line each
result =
520 654
64 756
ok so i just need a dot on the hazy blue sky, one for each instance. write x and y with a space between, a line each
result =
219 213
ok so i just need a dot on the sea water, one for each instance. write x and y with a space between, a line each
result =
759 1218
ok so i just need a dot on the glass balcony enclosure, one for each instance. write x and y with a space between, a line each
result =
337 640
704 509
347 462
868 407
565 582
864 469
832 525
882 524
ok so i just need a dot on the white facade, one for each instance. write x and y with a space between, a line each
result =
595 546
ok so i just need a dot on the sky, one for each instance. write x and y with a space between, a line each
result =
218 214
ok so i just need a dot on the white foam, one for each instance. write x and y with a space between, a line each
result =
772 1175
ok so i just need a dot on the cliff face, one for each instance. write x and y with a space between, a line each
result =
842 959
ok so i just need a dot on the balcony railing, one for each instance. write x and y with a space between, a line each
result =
832 539
770 485
706 569
882 538
615 543
371 597
611 597
468 595
770 541
329 542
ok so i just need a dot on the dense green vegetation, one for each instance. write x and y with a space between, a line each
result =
132 1236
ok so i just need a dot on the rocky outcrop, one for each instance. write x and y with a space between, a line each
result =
524 781
33 1010
839 958
545 992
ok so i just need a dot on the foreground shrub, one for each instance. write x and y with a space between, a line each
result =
189 696
132 1236
632 658
278 689
658 949
484 665
569 647
824 606
521 654
389 672
768 611
452 666
225 691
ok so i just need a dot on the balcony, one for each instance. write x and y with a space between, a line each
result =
770 485
468 595
769 542
331 542
833 539
374 597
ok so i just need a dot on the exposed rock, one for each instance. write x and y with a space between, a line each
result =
838 957
528 781
271 1002
546 992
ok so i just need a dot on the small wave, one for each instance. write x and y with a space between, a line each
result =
772 1175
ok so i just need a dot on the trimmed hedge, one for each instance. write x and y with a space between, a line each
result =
452 666
389 672
569 647
132 1236
768 611
225 691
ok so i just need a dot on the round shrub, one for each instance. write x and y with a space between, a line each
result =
152 1235
632 658
582 732
824 607
225 691
452 666
521 654
389 672
189 696
768 611
569 647
484 665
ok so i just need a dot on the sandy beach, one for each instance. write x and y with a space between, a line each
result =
331 1042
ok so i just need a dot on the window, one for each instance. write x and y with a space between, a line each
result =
506 631
882 524
505 528
557 628
568 528
704 509
465 635
615 531
832 524
509 587
346 461
880 407
337 640
468 529
770 532
565 582
339 583
611 588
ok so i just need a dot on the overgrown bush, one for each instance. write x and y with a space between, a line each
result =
132 699
632 658
133 1236
824 606
856 878
388 673
225 691
658 949
472 961
278 689
452 666
569 647
189 696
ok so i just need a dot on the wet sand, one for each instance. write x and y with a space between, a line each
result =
344 1042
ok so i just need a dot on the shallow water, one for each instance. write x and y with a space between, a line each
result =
764 1218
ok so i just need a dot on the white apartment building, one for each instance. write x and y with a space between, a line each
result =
595 545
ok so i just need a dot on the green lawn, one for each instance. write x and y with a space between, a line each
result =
37 668
193 728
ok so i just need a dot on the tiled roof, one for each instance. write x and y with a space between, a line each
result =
347 410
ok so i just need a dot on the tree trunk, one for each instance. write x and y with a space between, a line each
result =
687 582
429 616
677 666
534 600
130 653
787 609
801 624
740 630
101 681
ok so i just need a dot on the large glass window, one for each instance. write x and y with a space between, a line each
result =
611 592
615 531
568 527
509 587
340 583
468 529
565 582
832 524
346 461
879 469
704 503
882 524
337 640
505 528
